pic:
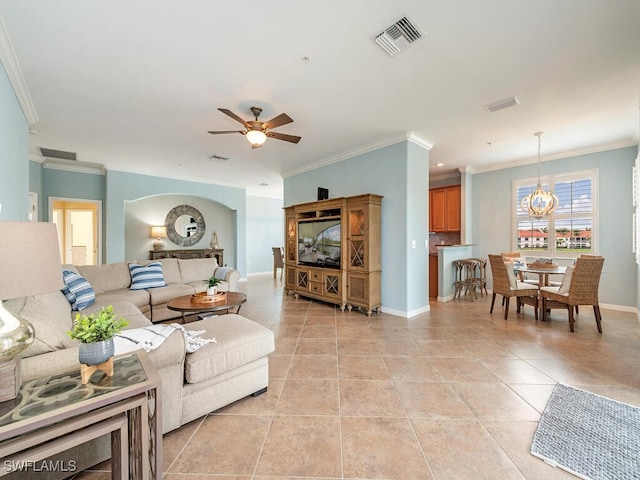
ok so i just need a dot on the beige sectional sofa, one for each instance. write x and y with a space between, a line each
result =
193 384
112 283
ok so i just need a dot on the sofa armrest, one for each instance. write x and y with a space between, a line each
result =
229 275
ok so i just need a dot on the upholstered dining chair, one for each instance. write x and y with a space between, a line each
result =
506 284
278 261
579 287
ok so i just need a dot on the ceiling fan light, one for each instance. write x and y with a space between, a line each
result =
256 137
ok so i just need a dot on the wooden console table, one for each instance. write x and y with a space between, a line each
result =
57 412
216 253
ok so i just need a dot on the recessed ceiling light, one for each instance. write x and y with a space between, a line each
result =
439 164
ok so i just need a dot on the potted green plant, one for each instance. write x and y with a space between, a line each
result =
212 285
95 333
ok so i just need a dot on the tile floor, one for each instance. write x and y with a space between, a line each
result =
454 393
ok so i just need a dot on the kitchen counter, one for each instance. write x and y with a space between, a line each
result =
447 254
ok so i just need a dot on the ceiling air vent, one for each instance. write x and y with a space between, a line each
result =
58 154
398 36
500 104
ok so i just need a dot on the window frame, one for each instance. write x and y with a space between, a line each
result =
551 181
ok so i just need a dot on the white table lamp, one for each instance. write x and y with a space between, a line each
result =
29 265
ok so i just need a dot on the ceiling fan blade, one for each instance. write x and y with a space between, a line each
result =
284 136
281 119
234 116
226 131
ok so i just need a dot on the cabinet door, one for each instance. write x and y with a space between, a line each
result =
290 278
291 239
357 254
302 280
332 285
438 218
453 209
358 289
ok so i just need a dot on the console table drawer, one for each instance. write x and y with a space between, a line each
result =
315 287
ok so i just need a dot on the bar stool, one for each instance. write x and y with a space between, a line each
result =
480 274
466 277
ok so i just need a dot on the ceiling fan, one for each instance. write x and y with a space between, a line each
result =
257 131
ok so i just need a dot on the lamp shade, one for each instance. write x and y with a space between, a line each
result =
158 232
29 258
256 137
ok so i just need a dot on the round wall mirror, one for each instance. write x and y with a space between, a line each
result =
185 225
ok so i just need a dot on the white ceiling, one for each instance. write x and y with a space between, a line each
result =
135 85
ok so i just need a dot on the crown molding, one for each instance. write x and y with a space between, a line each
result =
12 66
34 157
552 157
74 166
401 137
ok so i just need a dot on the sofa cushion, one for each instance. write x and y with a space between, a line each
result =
140 298
107 277
238 341
127 310
146 276
196 269
169 292
566 280
50 315
78 291
171 270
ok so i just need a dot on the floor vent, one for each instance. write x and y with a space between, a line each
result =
59 154
398 36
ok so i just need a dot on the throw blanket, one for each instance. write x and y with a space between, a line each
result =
150 338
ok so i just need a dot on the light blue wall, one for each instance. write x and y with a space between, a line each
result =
14 154
417 218
491 215
394 172
65 184
124 187
265 229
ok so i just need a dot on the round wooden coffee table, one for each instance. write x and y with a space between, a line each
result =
185 306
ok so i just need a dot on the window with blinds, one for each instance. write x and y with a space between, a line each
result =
570 230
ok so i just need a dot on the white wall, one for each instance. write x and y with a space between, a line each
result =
265 229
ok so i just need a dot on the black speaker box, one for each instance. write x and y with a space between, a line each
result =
323 193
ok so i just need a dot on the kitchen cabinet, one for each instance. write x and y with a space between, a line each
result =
433 275
444 209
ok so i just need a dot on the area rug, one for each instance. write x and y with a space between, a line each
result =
588 435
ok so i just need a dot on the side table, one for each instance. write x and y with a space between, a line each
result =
56 412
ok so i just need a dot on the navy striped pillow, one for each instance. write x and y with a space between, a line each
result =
149 276
78 291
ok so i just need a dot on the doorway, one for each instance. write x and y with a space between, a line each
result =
79 234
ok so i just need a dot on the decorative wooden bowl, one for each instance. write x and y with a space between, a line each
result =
202 297
550 266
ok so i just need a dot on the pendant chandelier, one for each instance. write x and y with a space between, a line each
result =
539 203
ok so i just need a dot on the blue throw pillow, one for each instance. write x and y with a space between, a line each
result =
78 291
149 276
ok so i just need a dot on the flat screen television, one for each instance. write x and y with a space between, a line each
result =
319 243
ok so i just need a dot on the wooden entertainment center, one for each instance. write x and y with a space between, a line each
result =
345 271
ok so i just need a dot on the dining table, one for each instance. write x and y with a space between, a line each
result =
543 278
543 273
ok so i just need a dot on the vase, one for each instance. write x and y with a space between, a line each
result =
212 290
96 353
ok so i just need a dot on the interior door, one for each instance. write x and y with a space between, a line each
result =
78 223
